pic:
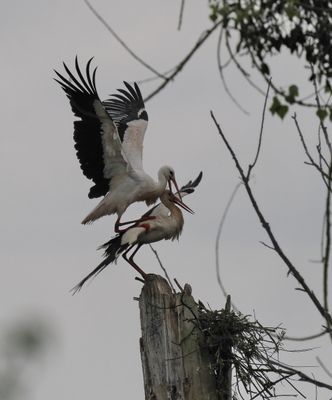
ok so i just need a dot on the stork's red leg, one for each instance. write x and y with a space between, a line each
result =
131 261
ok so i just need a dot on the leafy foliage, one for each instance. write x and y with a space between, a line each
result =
266 27
278 108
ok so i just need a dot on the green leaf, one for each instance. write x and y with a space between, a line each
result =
214 12
291 10
293 91
265 69
278 108
321 113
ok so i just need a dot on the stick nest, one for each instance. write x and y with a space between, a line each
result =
245 346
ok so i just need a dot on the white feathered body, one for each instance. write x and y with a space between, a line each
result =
163 227
125 189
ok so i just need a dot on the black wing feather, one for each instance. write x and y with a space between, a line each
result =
82 93
191 185
125 107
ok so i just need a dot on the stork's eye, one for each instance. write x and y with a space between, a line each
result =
171 173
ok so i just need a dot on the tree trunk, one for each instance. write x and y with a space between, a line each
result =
176 361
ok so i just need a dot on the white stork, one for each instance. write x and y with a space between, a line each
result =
109 142
167 224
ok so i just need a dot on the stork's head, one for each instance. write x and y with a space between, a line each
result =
169 196
168 173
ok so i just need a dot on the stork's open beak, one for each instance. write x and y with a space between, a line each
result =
176 187
182 205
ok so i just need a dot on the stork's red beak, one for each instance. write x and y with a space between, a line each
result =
182 205
173 180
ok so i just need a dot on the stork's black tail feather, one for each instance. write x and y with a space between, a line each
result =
112 250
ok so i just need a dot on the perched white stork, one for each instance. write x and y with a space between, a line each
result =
167 223
109 142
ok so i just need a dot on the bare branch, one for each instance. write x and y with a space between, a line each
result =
302 376
305 338
326 136
269 232
326 259
181 64
306 150
178 285
123 44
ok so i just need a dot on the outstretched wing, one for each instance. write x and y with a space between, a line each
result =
128 112
96 138
161 210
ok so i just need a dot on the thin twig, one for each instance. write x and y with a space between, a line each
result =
305 338
221 73
318 104
178 285
326 259
217 243
162 267
324 367
303 377
123 44
322 241
268 229
251 166
154 78
307 152
241 69
267 245
181 14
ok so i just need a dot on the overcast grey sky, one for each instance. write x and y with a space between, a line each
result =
44 248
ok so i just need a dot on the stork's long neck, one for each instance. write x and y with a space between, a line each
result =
175 214
162 182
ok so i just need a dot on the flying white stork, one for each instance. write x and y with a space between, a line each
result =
109 142
167 224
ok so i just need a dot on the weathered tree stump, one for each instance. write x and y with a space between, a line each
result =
175 358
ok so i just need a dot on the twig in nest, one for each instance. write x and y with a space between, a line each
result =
253 351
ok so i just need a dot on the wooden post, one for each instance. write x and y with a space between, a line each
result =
176 361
